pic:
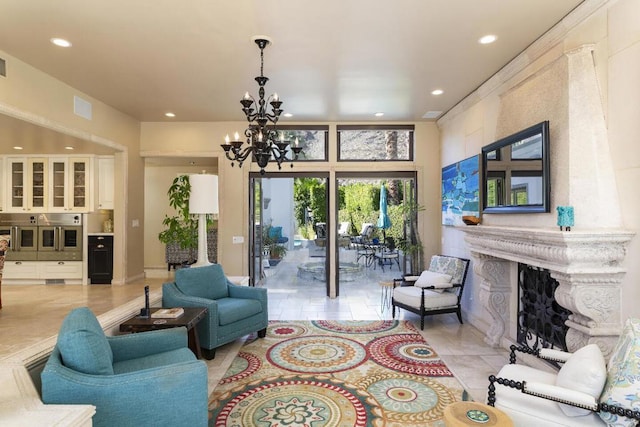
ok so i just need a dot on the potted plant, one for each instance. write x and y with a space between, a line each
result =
181 233
181 228
277 251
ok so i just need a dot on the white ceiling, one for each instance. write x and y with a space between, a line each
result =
330 60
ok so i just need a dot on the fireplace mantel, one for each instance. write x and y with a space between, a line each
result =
586 263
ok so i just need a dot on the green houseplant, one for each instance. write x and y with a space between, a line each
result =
181 232
277 251
181 228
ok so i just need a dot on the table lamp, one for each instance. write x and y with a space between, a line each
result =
203 200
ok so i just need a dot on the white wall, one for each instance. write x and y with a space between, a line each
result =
280 211
614 30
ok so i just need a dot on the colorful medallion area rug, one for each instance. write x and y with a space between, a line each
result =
336 374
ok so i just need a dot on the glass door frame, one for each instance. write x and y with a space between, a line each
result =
388 175
255 242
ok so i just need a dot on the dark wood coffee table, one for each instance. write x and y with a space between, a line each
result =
190 318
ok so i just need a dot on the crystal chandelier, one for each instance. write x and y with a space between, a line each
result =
261 135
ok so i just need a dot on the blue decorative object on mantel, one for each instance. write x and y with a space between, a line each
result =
565 217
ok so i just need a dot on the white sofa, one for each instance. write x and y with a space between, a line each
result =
584 392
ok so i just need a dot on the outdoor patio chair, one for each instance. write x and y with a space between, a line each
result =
343 230
388 254
365 234
437 290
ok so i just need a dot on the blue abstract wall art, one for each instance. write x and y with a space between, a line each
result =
460 190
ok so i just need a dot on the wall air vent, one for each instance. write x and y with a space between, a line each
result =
431 114
3 67
82 108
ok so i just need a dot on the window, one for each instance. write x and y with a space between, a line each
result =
375 143
314 141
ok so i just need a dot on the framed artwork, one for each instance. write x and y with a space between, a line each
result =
460 190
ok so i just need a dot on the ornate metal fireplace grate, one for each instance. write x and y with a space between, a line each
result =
541 320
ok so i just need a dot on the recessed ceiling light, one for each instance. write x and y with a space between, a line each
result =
379 114
170 114
489 38
61 42
68 147
437 92
288 115
17 147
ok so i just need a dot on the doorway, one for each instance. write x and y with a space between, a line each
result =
294 236
288 217
374 227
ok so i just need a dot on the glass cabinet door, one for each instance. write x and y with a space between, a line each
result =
38 181
79 168
69 184
17 184
58 184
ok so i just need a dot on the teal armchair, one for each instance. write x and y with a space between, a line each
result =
150 378
232 311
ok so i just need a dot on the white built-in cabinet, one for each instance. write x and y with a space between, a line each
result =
70 181
27 184
105 177
39 272
48 184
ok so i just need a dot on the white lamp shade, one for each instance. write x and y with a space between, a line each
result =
204 194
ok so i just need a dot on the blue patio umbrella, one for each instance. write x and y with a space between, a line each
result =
384 222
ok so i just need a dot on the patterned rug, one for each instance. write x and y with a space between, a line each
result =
335 373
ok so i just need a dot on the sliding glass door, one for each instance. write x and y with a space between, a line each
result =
375 227
289 226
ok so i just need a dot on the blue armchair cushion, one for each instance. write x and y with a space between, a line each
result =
205 282
275 232
83 345
157 360
231 310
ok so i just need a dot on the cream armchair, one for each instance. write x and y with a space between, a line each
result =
437 290
583 393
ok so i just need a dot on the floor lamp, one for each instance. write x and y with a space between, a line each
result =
203 200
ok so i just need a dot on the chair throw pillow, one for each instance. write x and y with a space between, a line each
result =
83 345
207 282
623 377
584 371
439 281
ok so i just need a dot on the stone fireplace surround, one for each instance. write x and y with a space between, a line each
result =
586 263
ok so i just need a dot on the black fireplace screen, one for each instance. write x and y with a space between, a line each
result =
541 320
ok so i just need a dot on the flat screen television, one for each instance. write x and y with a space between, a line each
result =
515 172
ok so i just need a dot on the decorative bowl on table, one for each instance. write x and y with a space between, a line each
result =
471 220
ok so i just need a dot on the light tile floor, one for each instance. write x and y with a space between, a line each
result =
34 312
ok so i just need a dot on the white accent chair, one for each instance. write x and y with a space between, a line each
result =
583 393
437 290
